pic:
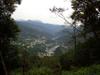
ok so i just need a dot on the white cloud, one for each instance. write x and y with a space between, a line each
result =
39 10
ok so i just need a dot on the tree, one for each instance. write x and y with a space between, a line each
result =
8 33
59 13
88 13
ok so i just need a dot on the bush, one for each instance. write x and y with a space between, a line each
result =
88 53
16 72
40 71
92 70
67 60
34 71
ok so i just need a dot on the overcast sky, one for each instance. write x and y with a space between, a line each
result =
39 10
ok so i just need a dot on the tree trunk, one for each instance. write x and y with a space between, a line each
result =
3 64
75 41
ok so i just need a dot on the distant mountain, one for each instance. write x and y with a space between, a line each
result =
38 29
34 33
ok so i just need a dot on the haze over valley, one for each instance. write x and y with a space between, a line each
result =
37 32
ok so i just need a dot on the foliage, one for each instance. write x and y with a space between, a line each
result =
41 71
50 62
59 51
87 12
8 33
67 60
34 71
87 53
92 70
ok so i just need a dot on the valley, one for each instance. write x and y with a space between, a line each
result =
49 36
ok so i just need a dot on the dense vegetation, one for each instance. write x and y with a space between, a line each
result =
92 70
45 56
8 33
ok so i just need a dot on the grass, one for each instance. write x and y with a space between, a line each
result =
92 70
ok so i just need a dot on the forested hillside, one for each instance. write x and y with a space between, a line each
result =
29 47
48 35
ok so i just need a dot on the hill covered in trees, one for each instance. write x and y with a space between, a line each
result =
36 32
39 29
47 49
